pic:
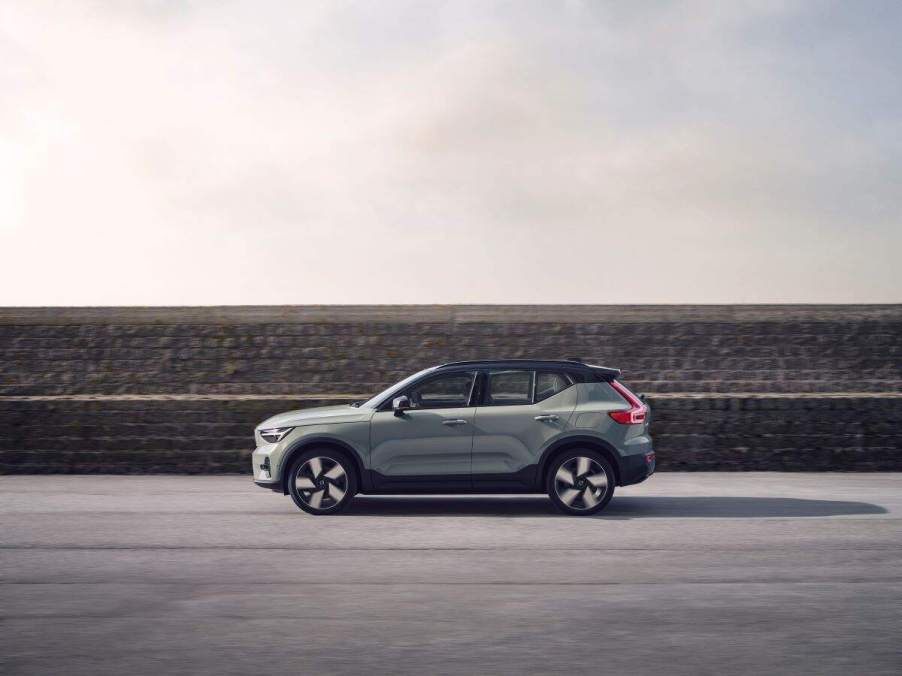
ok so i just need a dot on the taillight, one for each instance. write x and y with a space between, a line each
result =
637 411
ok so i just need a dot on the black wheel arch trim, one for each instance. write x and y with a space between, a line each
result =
304 443
576 441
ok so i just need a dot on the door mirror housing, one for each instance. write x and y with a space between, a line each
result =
400 404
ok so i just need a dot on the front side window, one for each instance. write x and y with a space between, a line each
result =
509 388
374 401
446 391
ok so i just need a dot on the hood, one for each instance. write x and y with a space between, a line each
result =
321 415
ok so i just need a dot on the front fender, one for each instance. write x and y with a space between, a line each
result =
353 438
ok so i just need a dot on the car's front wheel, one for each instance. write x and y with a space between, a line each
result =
322 481
580 482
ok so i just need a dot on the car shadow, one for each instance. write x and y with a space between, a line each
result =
619 508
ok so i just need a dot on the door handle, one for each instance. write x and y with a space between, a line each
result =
454 421
546 418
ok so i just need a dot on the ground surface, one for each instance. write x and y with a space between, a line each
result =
688 573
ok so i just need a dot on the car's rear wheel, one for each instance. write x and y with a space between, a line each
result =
322 481
580 482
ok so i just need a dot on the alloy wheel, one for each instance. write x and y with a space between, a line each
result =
580 483
321 483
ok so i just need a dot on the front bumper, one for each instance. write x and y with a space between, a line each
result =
263 467
276 487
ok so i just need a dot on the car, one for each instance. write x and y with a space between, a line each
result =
562 427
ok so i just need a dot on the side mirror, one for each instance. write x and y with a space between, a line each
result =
400 404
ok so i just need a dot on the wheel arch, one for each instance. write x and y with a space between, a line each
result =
581 441
305 443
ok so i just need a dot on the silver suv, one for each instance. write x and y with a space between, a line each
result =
564 428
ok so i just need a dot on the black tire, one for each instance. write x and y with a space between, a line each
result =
576 476
331 489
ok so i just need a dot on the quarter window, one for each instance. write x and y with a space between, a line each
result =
507 388
549 384
446 391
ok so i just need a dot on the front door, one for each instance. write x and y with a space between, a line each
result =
429 445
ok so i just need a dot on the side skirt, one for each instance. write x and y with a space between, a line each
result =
523 481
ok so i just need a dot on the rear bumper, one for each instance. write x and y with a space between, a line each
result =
637 468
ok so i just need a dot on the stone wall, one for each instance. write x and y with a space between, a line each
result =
118 390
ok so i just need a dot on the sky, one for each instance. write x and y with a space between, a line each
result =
254 153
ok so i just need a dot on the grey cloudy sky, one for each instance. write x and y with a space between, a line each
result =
438 152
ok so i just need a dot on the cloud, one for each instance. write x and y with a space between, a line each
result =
157 153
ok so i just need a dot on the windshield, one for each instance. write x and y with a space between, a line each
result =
374 401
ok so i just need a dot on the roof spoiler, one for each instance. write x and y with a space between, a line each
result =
604 373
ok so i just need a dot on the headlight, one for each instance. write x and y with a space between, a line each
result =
275 434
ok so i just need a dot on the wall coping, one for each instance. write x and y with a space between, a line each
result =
414 314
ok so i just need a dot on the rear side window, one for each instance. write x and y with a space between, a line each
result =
549 384
509 388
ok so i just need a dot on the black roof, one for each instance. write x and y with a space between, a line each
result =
565 364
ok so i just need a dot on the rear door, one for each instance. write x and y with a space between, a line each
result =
430 445
519 413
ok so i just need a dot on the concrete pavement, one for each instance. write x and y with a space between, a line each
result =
687 573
